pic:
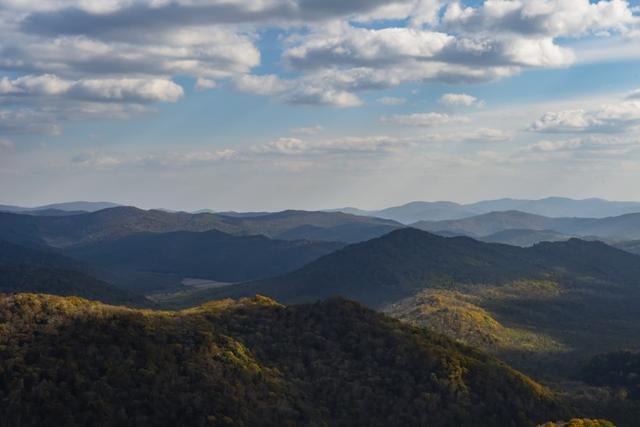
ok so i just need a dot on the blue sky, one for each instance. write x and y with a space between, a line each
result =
189 104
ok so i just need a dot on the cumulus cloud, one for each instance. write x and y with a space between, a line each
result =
496 39
609 118
118 16
459 99
545 18
132 50
424 119
261 84
346 45
198 52
45 101
297 91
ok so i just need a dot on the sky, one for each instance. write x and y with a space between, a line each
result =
310 104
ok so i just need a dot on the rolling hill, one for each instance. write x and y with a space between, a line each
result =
632 246
524 237
495 222
571 298
206 255
24 269
401 263
251 362
460 316
66 231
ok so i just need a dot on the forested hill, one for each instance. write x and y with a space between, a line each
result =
210 255
67 361
113 223
401 263
24 269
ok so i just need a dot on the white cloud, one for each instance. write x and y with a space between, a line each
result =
310 95
300 91
459 99
608 118
296 146
543 18
424 119
347 45
474 135
206 52
553 146
118 90
391 101
107 161
588 143
127 90
205 84
495 40
590 149
42 103
310 130
634 94
131 51
261 84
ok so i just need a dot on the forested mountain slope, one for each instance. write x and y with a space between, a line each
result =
25 269
251 362
207 255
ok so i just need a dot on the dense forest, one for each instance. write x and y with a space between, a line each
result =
618 370
253 362
208 255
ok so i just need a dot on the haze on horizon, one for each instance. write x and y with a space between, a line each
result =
236 105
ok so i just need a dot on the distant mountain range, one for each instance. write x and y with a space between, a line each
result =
149 251
523 237
551 207
492 226
56 208
64 231
554 207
